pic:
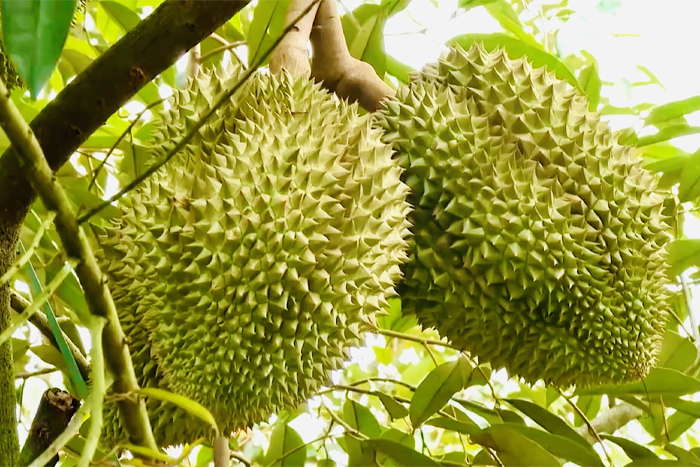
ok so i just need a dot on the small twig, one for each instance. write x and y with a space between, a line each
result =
691 316
128 129
19 304
591 428
240 458
195 62
430 353
301 446
39 301
218 50
225 97
219 39
22 260
342 423
409 337
31 374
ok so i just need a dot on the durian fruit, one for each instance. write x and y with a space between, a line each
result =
538 239
246 268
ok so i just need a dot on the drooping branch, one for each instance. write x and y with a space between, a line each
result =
333 65
75 243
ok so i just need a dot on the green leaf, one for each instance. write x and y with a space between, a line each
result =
359 454
589 80
547 420
460 426
517 48
360 418
121 14
286 448
677 352
266 27
514 448
325 463
682 405
33 33
394 6
682 455
193 408
401 437
683 254
656 462
633 450
204 456
689 188
562 447
677 424
672 110
398 70
437 388
395 408
660 382
401 454
667 133
364 33
493 416
502 12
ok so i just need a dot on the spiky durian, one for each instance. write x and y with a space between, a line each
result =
245 269
539 240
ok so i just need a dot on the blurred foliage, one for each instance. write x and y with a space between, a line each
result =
405 398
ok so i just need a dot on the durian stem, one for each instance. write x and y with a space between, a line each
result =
292 53
333 65
75 243
222 453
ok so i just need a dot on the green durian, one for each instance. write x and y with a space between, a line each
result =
539 241
246 268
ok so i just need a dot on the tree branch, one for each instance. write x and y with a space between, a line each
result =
75 243
39 321
333 65
610 421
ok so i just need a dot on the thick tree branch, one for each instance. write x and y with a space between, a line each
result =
56 409
339 71
75 243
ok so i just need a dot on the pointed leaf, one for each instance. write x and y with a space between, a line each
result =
33 33
633 450
660 382
460 426
683 254
677 352
562 447
514 448
547 420
401 437
689 189
682 455
266 27
286 448
395 408
436 389
193 408
401 454
672 110
121 14
591 84
360 418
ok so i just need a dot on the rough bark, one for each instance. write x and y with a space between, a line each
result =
56 408
76 112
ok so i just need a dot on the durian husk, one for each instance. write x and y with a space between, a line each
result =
539 240
246 269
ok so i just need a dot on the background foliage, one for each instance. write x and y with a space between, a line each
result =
405 398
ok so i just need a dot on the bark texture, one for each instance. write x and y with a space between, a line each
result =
56 409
